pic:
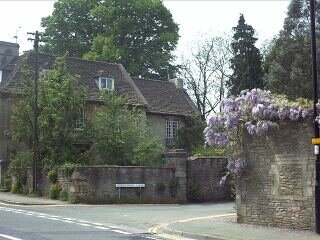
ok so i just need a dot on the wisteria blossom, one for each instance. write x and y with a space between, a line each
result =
256 112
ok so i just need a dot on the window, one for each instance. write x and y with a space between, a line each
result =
171 129
79 124
105 83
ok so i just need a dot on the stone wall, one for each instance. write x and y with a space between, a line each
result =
97 184
278 188
203 179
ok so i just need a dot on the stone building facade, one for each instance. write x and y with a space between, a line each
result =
278 187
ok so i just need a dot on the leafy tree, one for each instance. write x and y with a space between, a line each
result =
60 102
140 34
121 135
71 27
288 62
206 72
190 136
246 60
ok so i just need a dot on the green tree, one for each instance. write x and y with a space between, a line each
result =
121 135
60 102
288 61
71 27
246 60
140 34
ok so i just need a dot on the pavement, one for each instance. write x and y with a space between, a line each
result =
220 226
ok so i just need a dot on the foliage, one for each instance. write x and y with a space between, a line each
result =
63 195
53 176
54 191
60 102
254 112
209 151
121 135
288 61
19 164
193 193
206 72
68 168
140 34
246 60
16 187
173 187
190 136
147 152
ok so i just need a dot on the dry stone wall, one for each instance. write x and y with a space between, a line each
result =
277 189
203 179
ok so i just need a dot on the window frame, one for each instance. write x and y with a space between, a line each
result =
80 122
99 83
172 127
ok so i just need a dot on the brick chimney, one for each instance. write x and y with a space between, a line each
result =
8 51
177 81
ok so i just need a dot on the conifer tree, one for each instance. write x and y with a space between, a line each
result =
246 60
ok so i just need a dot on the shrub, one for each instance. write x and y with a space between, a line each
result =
16 187
173 187
54 191
208 151
53 176
18 165
147 152
68 168
63 195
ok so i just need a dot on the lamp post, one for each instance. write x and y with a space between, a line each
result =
316 127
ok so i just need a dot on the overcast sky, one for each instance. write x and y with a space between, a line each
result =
195 18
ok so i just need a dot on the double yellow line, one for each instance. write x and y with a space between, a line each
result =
156 229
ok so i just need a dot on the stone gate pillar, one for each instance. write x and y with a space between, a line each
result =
177 159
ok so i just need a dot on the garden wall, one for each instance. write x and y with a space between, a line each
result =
179 180
203 179
278 188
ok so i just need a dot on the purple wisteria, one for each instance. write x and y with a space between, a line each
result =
257 111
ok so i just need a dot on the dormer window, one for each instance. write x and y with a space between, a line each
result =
105 83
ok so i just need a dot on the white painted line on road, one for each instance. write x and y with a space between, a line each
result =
66 220
122 232
70 219
9 237
84 224
102 228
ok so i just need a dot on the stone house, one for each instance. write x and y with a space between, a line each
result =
165 103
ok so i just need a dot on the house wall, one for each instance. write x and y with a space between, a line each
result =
278 188
203 179
6 145
157 123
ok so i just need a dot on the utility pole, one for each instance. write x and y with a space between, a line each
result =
35 159
316 126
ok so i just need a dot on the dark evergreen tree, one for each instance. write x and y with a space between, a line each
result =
246 60
288 62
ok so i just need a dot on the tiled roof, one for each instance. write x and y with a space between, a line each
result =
164 98
88 72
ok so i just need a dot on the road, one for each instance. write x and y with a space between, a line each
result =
84 222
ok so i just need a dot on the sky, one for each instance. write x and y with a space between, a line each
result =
195 18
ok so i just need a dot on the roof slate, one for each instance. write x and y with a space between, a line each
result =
88 72
157 96
164 97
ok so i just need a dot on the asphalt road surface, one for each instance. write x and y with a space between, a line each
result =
25 224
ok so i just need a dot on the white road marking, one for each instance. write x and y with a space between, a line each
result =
122 232
65 220
9 237
84 224
102 228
